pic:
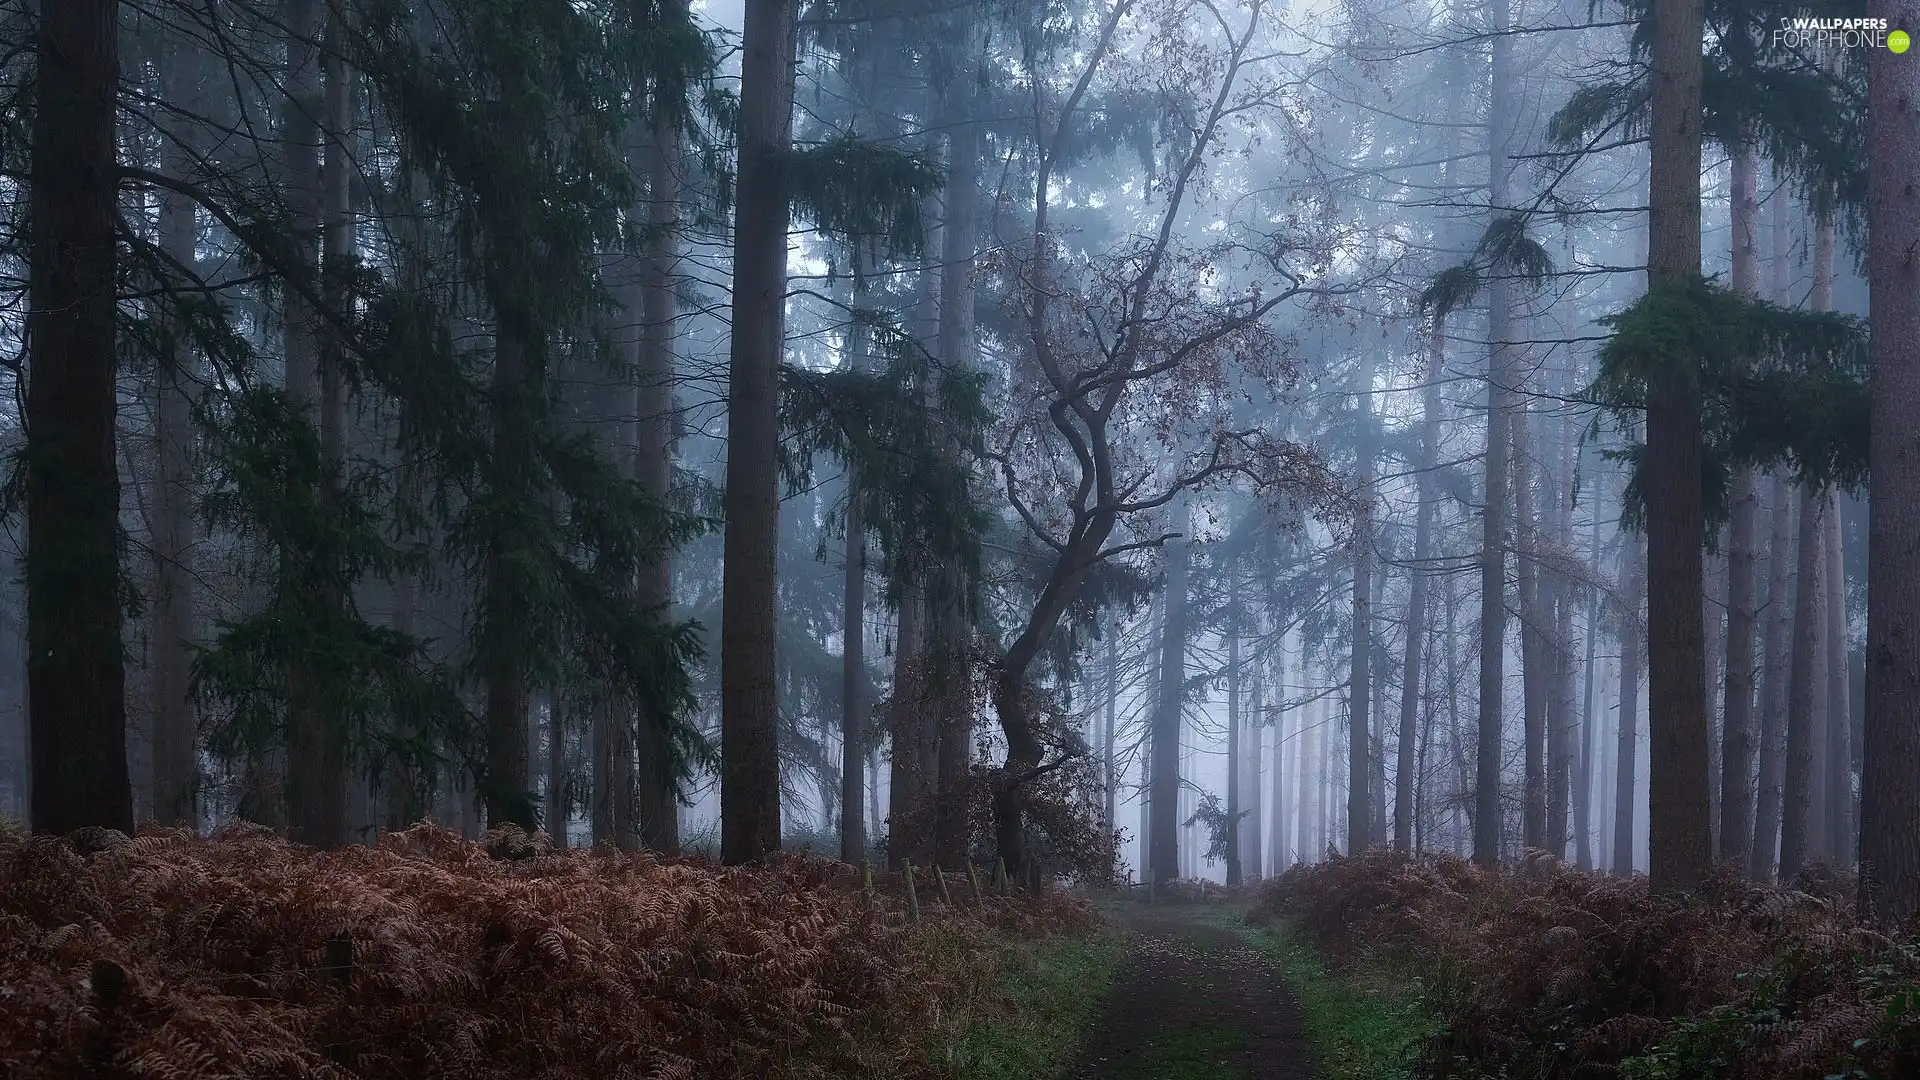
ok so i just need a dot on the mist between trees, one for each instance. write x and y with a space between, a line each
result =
1126 438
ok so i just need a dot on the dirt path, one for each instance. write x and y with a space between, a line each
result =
1196 1002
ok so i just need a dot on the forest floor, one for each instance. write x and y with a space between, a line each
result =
1197 999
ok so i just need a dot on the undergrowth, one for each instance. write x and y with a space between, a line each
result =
1364 1021
1028 1022
1556 974
168 955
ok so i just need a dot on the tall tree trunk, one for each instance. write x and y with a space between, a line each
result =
1168 725
853 680
1563 731
1418 582
175 775
1590 725
910 775
657 778
1360 687
1254 756
503 666
1839 756
1235 766
559 798
1534 646
749 692
1679 843
1493 502
76 673
1799 833
1632 652
316 788
1890 735
951 615
1109 781
1736 747
1286 748
1773 688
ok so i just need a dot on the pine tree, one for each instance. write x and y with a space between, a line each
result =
76 672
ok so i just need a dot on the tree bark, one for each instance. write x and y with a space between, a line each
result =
1493 503
951 615
1418 579
1680 850
1632 653
175 775
749 692
1736 747
853 680
503 667
1773 700
1890 739
1799 834
1234 765
1360 687
657 780
76 673
559 798
1839 756
1169 713
1535 648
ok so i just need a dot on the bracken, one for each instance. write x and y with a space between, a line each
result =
467 965
1553 973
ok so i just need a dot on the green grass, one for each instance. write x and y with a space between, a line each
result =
1044 1002
1364 1024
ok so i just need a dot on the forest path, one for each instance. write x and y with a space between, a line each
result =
1196 1001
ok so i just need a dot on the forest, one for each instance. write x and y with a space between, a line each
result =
960 538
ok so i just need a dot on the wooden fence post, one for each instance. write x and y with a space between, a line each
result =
913 899
1000 875
866 882
940 878
973 882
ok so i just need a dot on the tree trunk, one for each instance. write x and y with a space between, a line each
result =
1235 767
1253 756
559 798
1736 746
853 680
1360 686
1839 756
1590 726
1562 730
1169 713
1890 739
1799 833
1773 687
1493 503
657 779
749 692
910 778
503 665
1418 583
1109 781
1679 843
76 674
1535 601
316 795
1632 650
951 616
175 775
1286 747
